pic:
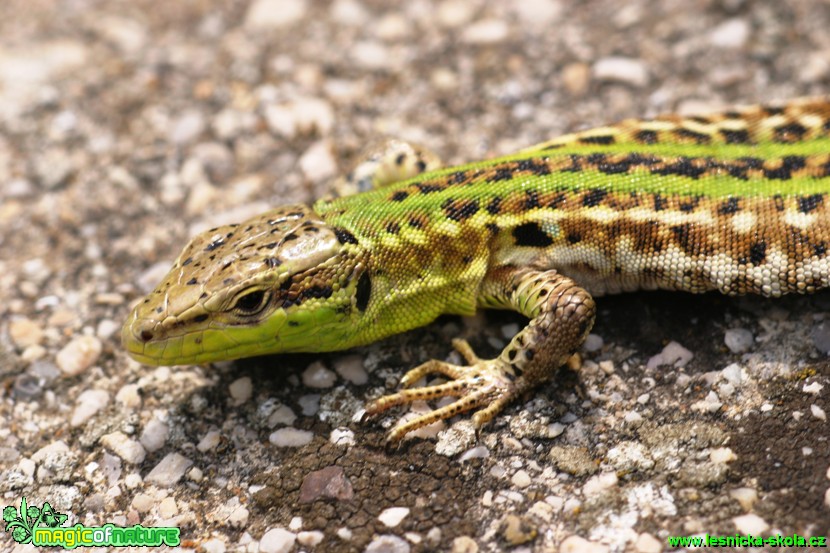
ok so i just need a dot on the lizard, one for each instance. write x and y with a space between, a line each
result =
734 202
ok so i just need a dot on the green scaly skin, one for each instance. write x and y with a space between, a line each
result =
734 202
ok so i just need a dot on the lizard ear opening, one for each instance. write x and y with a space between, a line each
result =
363 292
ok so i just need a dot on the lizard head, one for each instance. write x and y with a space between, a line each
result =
282 281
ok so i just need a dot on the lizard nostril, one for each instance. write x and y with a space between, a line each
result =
146 335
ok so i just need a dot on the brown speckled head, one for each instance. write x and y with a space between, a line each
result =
274 266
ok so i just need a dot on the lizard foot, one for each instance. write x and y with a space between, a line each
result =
485 384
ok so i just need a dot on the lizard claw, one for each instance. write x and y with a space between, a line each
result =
485 385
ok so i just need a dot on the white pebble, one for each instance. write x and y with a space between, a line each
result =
487 31
576 544
239 517
154 435
393 516
722 455
87 405
282 415
738 340
646 543
169 470
599 483
168 507
309 404
106 329
750 524
827 498
128 396
732 33
142 502
277 540
711 403
187 127
818 412
133 480
672 354
370 55
209 441
478 452
351 368
214 545
78 355
317 375
521 479
317 163
271 15
387 543
342 436
128 449
625 70
733 374
813 388
745 496
241 390
310 538
25 333
593 343
290 437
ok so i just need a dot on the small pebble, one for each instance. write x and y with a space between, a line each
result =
78 355
142 502
521 479
732 34
599 484
318 163
317 375
277 540
241 390
351 368
131 451
393 516
745 496
154 435
87 405
387 543
25 333
625 70
722 455
738 340
310 539
576 544
209 441
214 545
169 470
128 396
273 15
646 543
486 31
750 524
342 437
592 343
818 412
672 354
168 507
290 437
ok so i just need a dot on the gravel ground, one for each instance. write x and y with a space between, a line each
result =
126 126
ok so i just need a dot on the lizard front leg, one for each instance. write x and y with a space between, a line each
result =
561 314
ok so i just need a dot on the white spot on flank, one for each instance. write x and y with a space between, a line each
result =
602 214
811 120
798 219
743 222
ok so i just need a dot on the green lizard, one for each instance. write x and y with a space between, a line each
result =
734 202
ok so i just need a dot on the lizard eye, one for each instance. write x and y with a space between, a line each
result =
251 303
